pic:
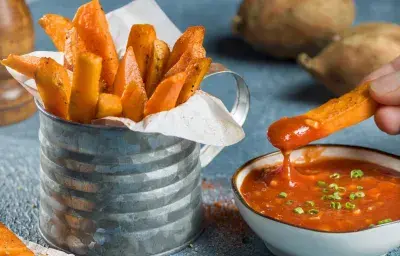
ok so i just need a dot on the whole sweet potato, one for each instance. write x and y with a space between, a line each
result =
285 28
343 64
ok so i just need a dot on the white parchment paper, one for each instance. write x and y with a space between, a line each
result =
203 118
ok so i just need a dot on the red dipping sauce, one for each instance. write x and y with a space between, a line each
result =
330 194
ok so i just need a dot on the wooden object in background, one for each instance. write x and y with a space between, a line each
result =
17 37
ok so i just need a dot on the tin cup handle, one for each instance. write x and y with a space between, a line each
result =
239 111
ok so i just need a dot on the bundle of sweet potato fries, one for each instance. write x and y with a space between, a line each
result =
94 83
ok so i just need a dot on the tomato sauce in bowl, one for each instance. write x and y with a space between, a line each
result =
330 194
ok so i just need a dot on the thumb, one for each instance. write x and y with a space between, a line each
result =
386 89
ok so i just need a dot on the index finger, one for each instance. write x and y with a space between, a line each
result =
386 69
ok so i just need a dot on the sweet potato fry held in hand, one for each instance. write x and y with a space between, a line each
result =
56 27
157 65
92 26
350 109
196 71
23 64
108 105
54 87
166 94
192 36
85 88
141 39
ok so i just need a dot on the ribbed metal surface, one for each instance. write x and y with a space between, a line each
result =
111 191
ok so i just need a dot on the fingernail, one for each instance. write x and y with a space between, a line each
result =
386 84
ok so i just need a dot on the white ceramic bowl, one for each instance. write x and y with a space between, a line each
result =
284 239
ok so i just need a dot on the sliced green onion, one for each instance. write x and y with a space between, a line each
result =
298 210
341 189
357 173
313 211
352 196
335 176
310 203
336 205
350 206
321 184
289 202
360 194
336 196
360 188
333 186
282 195
384 221
371 226
325 190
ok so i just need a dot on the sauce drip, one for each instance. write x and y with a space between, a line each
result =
290 133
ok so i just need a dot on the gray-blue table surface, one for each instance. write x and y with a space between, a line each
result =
278 88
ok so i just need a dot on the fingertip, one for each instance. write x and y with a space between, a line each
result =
387 118
386 90
383 71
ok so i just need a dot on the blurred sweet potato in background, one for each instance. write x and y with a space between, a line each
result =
285 28
356 53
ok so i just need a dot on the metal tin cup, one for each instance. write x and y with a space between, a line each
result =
112 191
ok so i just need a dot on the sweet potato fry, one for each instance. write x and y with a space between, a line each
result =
108 105
350 109
133 101
166 94
128 72
195 52
192 35
157 65
134 93
85 88
196 71
23 64
92 26
141 39
11 245
73 46
56 27
54 87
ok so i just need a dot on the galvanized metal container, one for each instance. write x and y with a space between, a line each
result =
112 191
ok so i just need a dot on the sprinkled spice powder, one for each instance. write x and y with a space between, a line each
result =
222 216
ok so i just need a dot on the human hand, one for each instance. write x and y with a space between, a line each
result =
385 89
